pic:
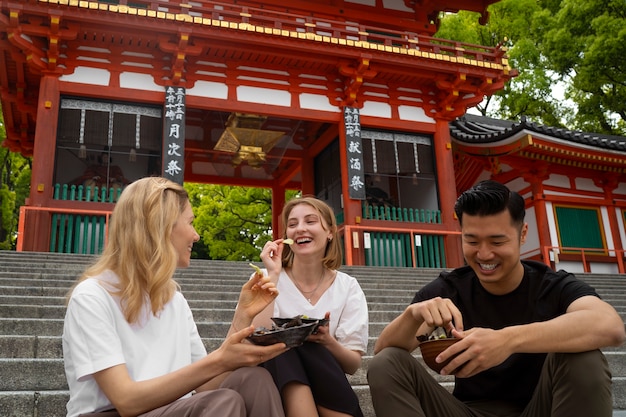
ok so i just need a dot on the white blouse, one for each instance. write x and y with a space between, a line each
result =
345 301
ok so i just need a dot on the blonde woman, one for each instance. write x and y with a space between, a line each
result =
130 344
312 377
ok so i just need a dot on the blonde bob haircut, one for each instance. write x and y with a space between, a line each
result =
139 249
333 255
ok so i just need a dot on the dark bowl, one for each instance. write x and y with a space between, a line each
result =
291 336
431 348
281 321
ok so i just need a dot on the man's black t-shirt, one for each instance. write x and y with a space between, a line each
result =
542 295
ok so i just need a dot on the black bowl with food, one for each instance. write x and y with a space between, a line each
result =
292 336
298 320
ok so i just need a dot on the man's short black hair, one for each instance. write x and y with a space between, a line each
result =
488 198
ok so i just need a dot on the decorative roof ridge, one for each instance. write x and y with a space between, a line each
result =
475 129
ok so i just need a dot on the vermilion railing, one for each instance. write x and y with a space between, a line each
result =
274 22
94 224
586 256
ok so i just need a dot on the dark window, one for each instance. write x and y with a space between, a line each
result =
399 170
119 142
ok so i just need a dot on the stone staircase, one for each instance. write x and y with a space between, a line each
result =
33 286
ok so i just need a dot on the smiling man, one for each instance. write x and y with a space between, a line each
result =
530 336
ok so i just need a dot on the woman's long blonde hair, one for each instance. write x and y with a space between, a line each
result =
333 255
139 247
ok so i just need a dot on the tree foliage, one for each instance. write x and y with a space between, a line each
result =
14 188
567 45
233 222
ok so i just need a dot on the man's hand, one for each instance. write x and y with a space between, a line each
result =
481 349
437 312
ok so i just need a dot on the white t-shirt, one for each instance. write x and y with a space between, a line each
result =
344 299
96 336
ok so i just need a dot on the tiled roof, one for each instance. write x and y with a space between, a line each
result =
473 129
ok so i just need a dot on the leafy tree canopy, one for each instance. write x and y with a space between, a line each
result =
14 188
567 45
233 222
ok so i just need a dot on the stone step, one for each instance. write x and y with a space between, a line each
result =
201 314
6 300
54 327
375 297
51 403
48 373
199 270
20 311
32 302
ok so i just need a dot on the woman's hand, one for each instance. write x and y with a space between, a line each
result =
271 255
349 360
322 334
256 294
237 352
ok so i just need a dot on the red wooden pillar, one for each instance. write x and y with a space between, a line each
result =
278 202
535 179
447 191
37 235
308 175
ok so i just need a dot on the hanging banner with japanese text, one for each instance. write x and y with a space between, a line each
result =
174 134
356 175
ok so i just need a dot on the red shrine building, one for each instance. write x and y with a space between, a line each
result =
353 101
574 184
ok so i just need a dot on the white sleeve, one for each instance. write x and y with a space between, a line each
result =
353 327
198 350
90 335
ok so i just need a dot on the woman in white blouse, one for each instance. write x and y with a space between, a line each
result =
312 377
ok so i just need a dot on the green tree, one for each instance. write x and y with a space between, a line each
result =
586 43
14 188
233 222
555 45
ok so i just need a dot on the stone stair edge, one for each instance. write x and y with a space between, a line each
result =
50 403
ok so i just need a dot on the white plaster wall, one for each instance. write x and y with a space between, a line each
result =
209 89
603 268
531 247
557 181
604 215
554 237
88 75
586 184
317 102
264 96
415 114
138 81
620 223
376 109
570 266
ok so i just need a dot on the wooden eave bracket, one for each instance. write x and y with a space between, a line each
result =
179 52
355 75
42 47
458 94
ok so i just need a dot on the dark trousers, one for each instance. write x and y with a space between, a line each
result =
313 365
570 385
